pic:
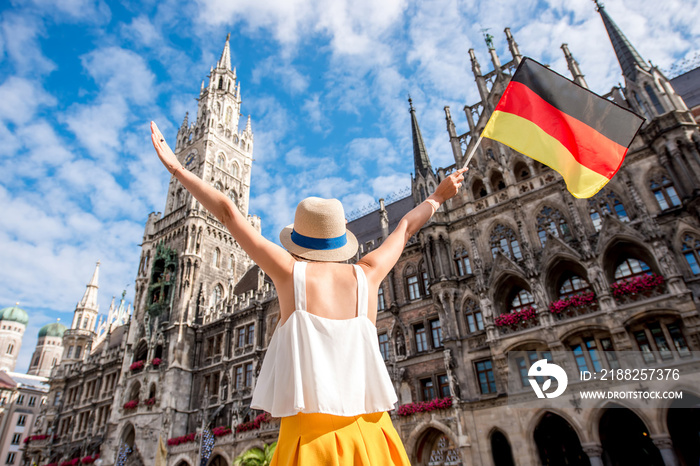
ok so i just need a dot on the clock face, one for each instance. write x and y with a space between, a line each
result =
189 160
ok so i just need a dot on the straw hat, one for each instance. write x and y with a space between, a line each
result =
318 232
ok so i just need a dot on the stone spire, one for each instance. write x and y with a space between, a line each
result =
248 126
225 60
89 300
573 67
420 155
513 47
630 60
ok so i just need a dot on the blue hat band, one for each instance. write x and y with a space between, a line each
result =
320 244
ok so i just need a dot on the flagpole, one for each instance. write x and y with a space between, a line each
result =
471 152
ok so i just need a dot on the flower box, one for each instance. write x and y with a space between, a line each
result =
512 319
51 464
137 365
641 284
156 362
574 305
150 401
254 424
182 439
424 406
221 431
131 404
72 462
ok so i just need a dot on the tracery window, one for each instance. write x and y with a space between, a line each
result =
234 170
472 312
522 299
215 257
664 192
478 189
691 251
503 239
462 262
572 285
631 267
381 305
654 99
217 294
552 221
412 284
606 204
662 340
221 161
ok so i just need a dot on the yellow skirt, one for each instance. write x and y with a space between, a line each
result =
324 439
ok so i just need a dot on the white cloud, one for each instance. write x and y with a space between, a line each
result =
90 11
20 99
20 34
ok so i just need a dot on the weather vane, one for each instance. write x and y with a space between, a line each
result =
488 38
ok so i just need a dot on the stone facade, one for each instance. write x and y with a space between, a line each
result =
513 240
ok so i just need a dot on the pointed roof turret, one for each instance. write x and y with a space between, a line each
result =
420 155
90 297
627 55
225 60
248 126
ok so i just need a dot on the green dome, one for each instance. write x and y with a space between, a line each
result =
14 314
52 330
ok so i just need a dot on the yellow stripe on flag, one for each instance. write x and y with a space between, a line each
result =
527 138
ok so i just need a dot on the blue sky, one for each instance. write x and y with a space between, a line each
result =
325 83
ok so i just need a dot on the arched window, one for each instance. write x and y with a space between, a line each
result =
424 278
606 204
552 221
691 251
654 99
235 170
221 83
478 189
664 192
662 339
219 186
642 105
421 193
412 285
572 285
503 239
462 263
472 313
230 262
381 305
521 171
631 267
497 182
221 161
215 257
233 196
217 294
521 299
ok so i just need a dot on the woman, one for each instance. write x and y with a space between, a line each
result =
322 373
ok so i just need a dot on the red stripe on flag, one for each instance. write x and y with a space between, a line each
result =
589 147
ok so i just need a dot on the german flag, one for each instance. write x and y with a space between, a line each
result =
551 119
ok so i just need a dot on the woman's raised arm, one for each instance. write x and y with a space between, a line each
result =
379 262
273 259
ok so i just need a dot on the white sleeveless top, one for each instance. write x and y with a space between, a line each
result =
319 365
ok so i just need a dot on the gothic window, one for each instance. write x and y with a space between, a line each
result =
427 389
241 337
552 221
239 377
217 294
233 196
421 338
503 239
478 189
654 99
522 299
642 105
521 171
573 285
221 83
631 267
78 350
229 114
606 204
219 186
250 334
234 170
462 262
10 348
424 279
664 192
436 332
381 305
422 193
497 182
384 346
484 374
472 311
216 257
691 251
249 374
221 161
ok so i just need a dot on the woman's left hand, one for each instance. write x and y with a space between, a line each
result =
164 152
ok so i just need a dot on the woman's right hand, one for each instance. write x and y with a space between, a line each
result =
450 185
164 152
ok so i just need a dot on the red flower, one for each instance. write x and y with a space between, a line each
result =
635 285
577 300
136 365
514 318
221 431
183 439
156 362
131 404
254 424
424 406
150 401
